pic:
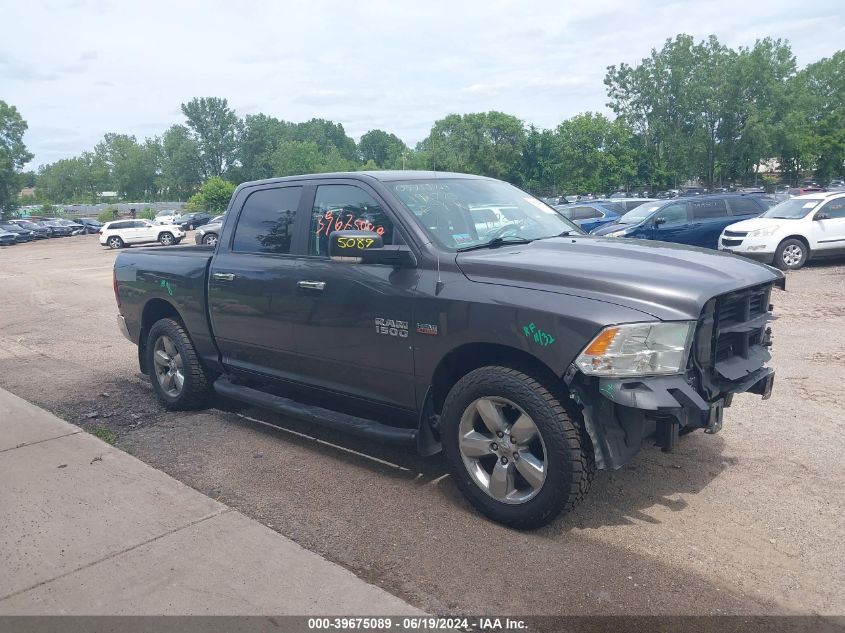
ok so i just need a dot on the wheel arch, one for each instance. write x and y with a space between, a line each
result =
801 239
465 358
154 310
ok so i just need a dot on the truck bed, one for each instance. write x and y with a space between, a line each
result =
178 276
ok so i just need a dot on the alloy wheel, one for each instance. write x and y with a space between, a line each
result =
168 366
502 450
792 255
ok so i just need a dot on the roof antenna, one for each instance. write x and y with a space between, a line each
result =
438 286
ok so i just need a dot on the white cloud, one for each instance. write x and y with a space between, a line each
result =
373 63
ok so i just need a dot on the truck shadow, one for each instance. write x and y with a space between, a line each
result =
651 482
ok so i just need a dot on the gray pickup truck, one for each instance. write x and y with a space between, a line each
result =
457 313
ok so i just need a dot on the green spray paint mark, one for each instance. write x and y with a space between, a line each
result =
544 339
166 284
608 391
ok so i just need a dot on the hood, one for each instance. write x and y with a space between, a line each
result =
756 223
666 281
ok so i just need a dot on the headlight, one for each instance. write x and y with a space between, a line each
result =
769 230
638 349
616 233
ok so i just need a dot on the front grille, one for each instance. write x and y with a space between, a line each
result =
732 338
731 242
737 308
736 233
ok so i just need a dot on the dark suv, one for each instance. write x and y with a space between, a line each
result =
697 221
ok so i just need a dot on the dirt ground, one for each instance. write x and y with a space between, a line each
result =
748 521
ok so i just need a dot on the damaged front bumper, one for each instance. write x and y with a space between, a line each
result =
620 413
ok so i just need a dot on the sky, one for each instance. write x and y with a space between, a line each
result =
77 69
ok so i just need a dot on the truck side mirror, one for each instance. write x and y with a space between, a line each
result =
659 221
349 245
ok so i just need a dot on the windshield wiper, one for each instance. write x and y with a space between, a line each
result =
495 242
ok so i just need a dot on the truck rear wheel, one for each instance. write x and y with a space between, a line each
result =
514 451
179 379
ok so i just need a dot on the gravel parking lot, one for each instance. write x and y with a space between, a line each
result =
746 521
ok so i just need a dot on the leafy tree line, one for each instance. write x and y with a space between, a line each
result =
691 110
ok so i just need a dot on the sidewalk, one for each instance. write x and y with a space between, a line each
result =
86 529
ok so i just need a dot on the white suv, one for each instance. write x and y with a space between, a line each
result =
167 217
790 233
124 232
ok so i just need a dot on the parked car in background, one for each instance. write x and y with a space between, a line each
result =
167 217
7 238
89 225
791 233
805 189
836 184
666 195
56 228
626 204
39 231
21 234
591 215
692 191
125 232
190 221
75 227
697 221
208 234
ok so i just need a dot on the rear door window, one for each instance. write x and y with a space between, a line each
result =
582 213
266 222
744 206
706 209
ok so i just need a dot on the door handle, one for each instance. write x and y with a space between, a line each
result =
311 285
224 276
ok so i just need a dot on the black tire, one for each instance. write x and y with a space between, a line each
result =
115 242
190 227
166 239
195 391
568 452
791 254
210 239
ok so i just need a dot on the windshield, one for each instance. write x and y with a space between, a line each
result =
459 213
27 224
793 209
639 213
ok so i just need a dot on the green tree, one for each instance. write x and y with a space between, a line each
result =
537 168
259 141
181 163
133 167
592 154
327 135
13 155
213 196
385 150
487 143
215 128
814 140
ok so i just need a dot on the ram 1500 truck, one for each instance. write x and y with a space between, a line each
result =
454 312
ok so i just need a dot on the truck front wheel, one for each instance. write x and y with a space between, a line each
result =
514 451
179 379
